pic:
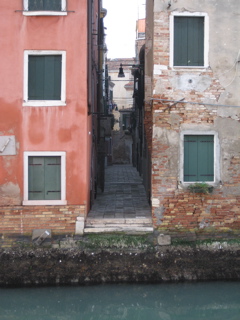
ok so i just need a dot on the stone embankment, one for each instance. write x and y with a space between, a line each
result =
118 259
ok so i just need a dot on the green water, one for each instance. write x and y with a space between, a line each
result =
194 301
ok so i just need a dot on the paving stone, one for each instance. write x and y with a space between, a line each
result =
124 197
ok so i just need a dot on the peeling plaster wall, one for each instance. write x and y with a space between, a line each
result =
10 194
44 128
204 89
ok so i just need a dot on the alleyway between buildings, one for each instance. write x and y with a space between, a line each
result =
123 206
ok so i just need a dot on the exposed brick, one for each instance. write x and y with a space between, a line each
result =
21 220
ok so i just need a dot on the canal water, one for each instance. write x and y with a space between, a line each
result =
184 301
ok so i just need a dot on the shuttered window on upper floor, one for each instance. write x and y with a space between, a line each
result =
198 158
44 77
188 41
42 5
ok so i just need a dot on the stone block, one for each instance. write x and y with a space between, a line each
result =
40 236
164 240
79 228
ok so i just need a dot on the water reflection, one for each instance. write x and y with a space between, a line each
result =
198 301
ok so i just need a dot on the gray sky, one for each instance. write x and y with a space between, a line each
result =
121 26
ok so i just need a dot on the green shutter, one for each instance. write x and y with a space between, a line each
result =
53 178
50 5
190 158
35 178
36 78
44 178
188 41
180 41
55 5
198 158
44 77
205 158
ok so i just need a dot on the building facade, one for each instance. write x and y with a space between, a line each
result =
48 130
192 111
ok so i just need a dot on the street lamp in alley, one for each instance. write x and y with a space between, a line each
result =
134 66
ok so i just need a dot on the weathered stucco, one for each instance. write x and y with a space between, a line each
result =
211 103
49 128
10 194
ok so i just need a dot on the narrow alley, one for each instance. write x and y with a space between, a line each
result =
123 205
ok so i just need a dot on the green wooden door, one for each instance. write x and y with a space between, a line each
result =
198 158
44 178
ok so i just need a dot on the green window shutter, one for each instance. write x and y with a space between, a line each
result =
50 5
180 41
54 5
44 77
190 158
52 77
35 5
44 178
206 158
36 78
35 178
188 41
198 158
53 178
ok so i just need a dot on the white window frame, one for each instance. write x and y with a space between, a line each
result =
44 103
63 200
216 164
63 12
206 38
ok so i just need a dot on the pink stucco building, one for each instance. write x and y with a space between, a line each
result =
48 54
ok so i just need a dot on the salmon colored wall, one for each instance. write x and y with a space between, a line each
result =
45 128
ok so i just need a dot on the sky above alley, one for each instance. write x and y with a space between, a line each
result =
121 26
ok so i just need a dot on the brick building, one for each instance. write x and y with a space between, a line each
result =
192 113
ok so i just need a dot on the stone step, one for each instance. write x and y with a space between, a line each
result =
122 226
124 229
117 221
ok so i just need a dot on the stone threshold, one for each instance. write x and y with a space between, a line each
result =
126 225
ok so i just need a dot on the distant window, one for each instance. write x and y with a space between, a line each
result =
44 78
44 7
141 35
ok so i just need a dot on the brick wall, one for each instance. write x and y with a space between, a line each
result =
174 208
192 212
22 220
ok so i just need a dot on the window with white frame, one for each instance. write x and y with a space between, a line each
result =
199 157
44 7
189 39
44 178
44 78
